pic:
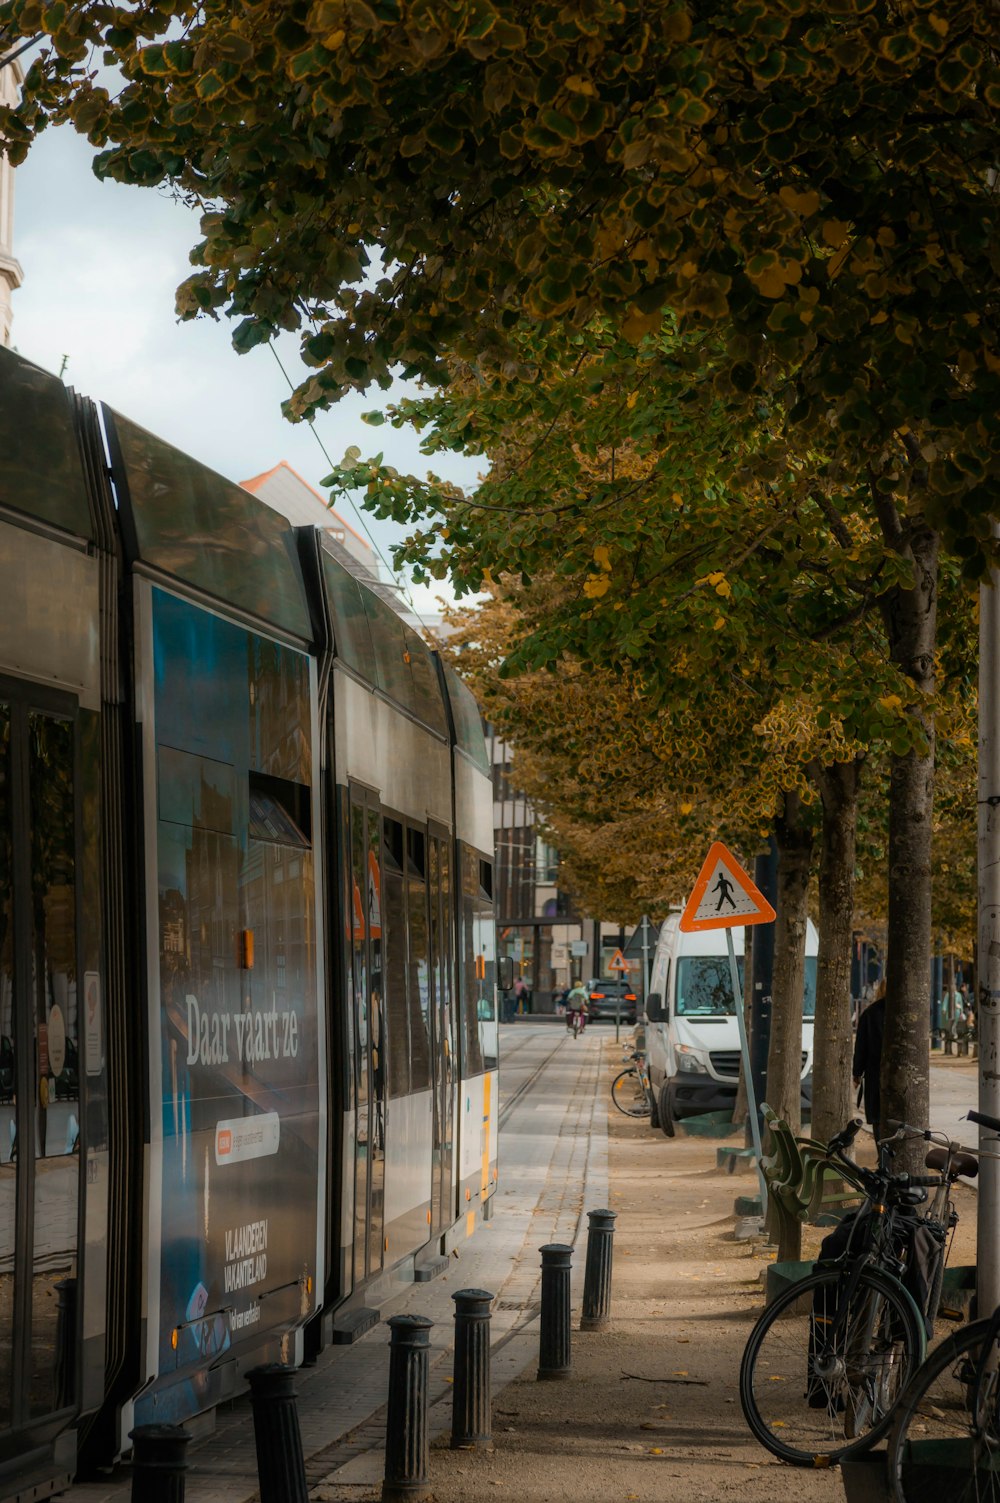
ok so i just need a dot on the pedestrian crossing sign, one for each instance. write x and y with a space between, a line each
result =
618 963
724 897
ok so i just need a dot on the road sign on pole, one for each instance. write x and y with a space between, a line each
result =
724 896
618 963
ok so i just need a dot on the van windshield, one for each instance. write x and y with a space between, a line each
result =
704 987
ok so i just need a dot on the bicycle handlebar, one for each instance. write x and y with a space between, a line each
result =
845 1137
984 1120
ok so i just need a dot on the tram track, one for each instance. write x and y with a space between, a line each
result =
526 1085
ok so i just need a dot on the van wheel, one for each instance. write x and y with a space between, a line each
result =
665 1111
654 1109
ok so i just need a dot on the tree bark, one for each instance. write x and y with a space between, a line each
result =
833 1039
911 623
784 1059
794 840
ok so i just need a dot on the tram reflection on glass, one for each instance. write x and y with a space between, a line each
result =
248 1042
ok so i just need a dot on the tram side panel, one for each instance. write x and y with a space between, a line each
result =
394 784
235 1046
226 705
54 1157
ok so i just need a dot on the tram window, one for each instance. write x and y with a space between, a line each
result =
391 667
196 526
279 811
428 705
478 968
418 970
198 792
280 711
468 721
351 635
394 925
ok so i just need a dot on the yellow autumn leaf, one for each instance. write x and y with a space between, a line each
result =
686 808
834 232
719 623
631 399
770 283
596 586
800 203
602 557
891 702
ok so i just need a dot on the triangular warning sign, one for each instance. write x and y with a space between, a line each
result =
724 896
618 963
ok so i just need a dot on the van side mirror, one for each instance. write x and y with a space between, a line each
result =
505 972
654 1007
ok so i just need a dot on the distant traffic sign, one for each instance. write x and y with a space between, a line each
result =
618 962
724 897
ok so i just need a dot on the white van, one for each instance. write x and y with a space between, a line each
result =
692 1035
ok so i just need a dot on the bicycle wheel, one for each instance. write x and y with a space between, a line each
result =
628 1095
812 1398
945 1439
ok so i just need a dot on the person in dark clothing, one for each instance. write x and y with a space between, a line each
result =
868 1056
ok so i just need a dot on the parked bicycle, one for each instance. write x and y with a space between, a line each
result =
945 1438
828 1360
631 1091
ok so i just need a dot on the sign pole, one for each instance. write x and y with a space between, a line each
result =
723 896
734 972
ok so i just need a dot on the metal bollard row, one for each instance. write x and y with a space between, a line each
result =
159 1455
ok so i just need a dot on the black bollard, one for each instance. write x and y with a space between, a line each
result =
555 1321
159 1461
281 1470
470 1410
406 1417
597 1274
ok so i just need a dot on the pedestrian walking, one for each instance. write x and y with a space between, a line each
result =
867 1065
952 1017
521 996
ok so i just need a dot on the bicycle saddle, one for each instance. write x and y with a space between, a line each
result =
962 1163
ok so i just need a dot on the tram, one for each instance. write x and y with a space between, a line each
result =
248 1038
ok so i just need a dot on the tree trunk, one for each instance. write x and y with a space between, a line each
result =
911 622
784 1059
833 1040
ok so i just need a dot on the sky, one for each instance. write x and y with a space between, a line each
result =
101 262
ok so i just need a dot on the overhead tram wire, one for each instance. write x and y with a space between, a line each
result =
403 588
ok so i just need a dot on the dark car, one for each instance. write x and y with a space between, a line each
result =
609 996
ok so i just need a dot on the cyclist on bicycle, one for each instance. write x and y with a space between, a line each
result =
576 1007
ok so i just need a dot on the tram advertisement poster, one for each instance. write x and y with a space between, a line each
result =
238 999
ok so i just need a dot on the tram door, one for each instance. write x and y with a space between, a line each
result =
439 896
39 1076
369 1033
